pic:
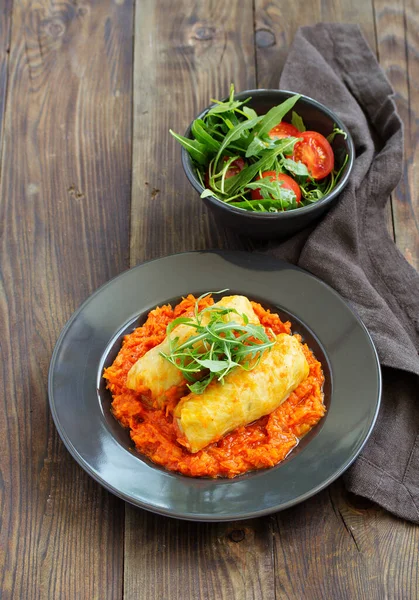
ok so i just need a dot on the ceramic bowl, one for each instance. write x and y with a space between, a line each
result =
265 225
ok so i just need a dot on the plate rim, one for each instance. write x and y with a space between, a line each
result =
209 517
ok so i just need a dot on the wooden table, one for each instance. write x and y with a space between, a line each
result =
91 184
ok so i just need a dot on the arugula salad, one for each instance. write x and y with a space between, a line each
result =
261 162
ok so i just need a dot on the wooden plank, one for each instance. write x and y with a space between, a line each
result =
382 540
398 44
64 225
356 550
180 559
179 64
277 22
5 27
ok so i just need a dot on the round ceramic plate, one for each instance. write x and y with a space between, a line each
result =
80 403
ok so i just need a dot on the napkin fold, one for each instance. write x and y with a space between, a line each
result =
351 250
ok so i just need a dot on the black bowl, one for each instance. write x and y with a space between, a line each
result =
263 225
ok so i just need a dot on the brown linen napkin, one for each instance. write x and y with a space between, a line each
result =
351 250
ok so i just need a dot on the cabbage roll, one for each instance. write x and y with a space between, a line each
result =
152 375
244 397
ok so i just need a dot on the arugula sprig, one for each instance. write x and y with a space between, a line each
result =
223 340
336 131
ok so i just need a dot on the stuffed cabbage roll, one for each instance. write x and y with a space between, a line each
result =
244 397
152 375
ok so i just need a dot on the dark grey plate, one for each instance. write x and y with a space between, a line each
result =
80 402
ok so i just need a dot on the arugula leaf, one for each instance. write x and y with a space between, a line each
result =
207 193
199 387
259 145
298 168
200 133
229 106
276 114
215 124
235 133
221 107
297 121
311 196
249 112
215 366
336 131
197 150
230 119
176 322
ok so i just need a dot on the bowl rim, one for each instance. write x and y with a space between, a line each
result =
292 214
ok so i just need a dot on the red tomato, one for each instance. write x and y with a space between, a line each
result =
287 182
316 153
234 169
283 130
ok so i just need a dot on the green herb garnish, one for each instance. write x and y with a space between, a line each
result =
231 131
336 131
219 344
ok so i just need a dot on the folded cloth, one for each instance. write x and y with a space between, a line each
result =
351 250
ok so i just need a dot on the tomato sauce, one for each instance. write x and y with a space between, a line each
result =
261 444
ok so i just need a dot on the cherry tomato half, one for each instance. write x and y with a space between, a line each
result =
234 169
286 181
316 153
283 130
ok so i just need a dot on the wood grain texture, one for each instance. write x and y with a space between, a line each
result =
398 47
276 23
5 29
64 224
388 548
180 559
356 550
180 63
